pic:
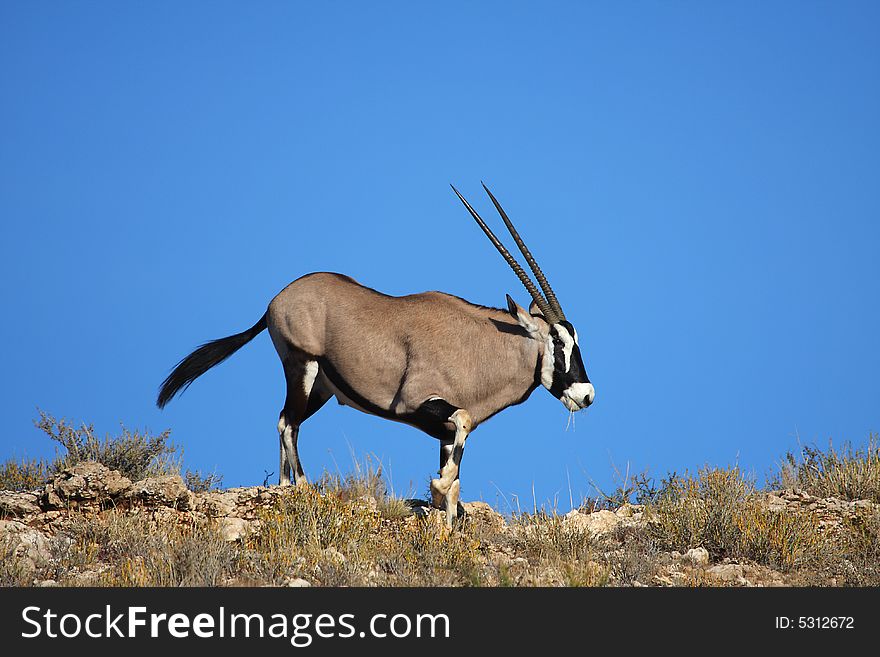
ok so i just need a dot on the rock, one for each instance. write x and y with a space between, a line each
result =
83 484
18 505
663 580
215 503
728 572
168 490
28 546
699 555
420 508
628 510
299 582
233 529
775 503
368 502
597 523
484 514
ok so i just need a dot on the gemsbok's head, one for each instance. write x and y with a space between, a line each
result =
562 367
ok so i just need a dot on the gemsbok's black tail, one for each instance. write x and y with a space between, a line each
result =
204 358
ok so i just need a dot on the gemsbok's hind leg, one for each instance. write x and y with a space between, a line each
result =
304 398
289 456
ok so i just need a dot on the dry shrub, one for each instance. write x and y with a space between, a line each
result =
557 553
134 551
333 539
848 473
135 454
546 536
783 540
301 525
202 483
635 559
26 474
701 510
422 552
856 560
640 488
14 570
719 509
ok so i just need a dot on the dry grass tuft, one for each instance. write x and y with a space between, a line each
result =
366 483
135 552
301 528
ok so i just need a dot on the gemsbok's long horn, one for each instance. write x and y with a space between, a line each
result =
552 301
549 313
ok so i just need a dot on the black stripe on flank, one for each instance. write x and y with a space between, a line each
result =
429 417
342 385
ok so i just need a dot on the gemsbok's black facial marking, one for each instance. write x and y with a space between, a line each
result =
558 364
569 381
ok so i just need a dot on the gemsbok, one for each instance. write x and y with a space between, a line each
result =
430 360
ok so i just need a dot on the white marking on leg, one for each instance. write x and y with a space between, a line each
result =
289 451
283 463
447 486
452 502
309 375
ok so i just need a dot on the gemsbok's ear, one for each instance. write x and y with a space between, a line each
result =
535 310
525 320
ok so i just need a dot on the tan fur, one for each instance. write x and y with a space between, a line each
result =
398 352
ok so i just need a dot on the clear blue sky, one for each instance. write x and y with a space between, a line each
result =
699 181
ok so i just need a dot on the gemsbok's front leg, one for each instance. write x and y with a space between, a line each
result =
445 491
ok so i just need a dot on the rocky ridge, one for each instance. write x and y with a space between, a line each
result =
31 521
